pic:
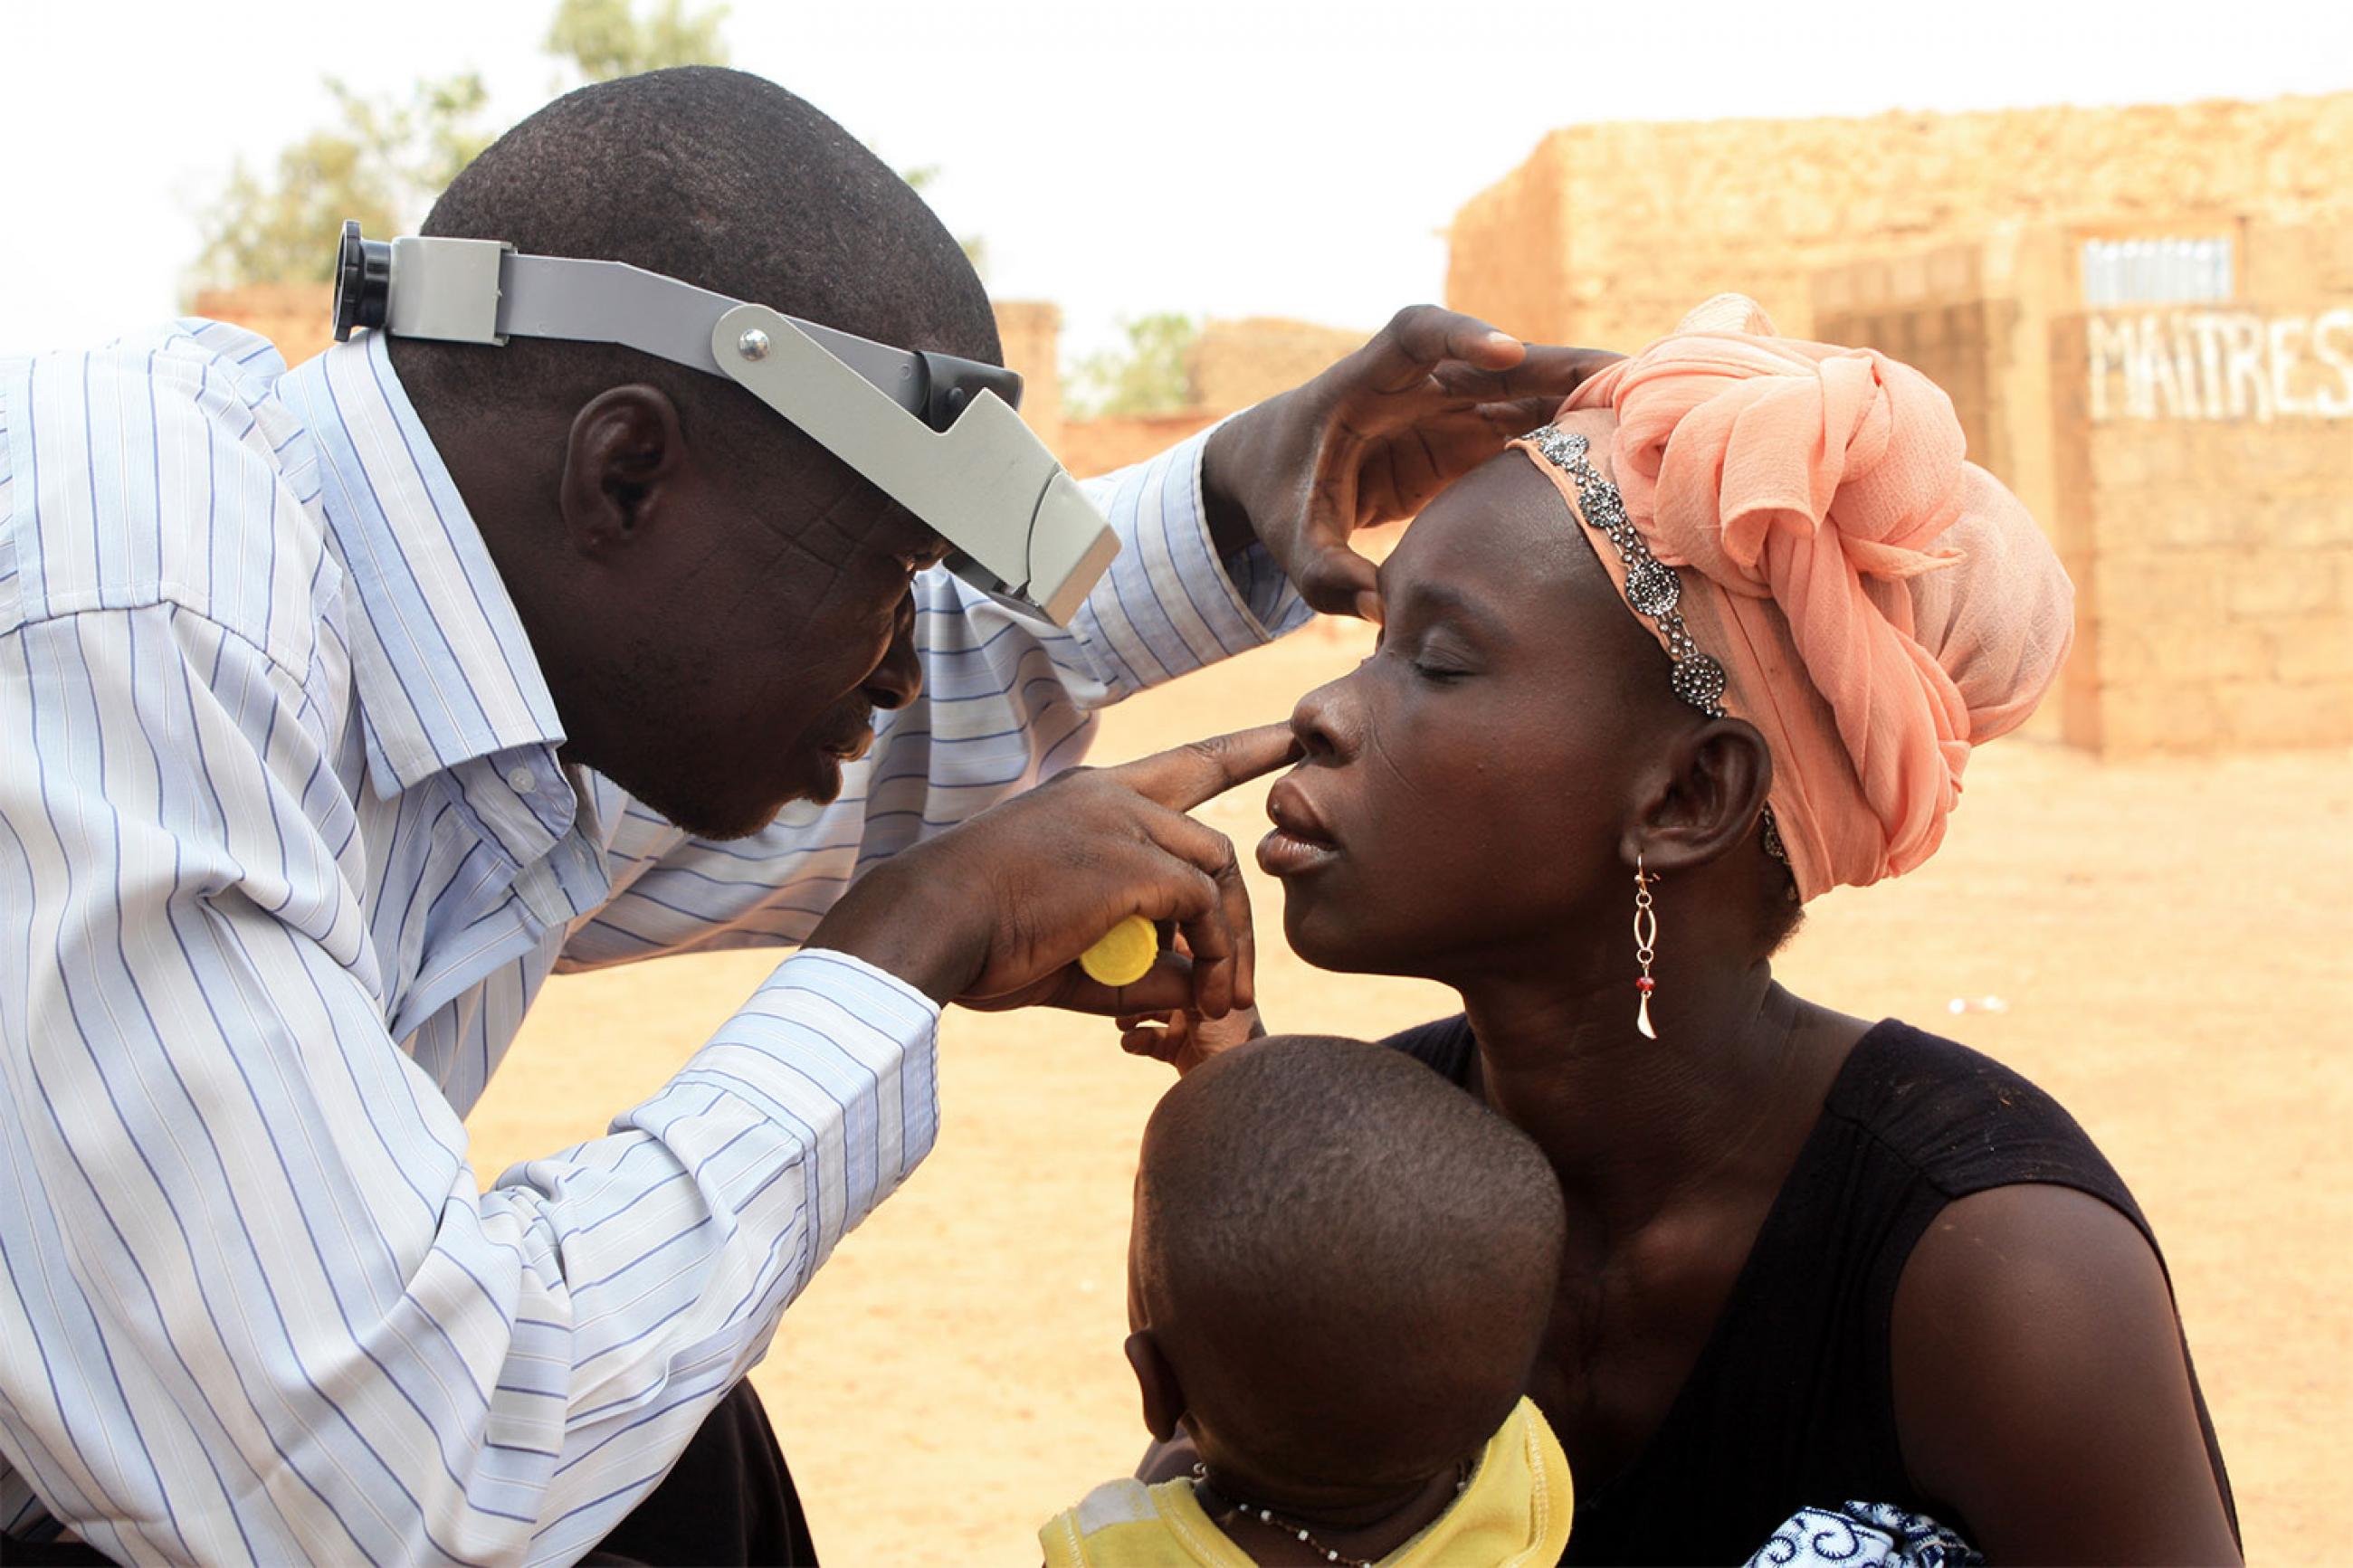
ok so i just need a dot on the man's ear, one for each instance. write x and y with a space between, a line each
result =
1704 799
1164 1396
624 450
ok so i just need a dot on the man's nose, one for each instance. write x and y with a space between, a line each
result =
899 679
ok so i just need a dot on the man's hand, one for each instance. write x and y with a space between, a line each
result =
995 912
1372 439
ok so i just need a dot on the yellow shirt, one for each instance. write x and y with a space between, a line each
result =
1512 1513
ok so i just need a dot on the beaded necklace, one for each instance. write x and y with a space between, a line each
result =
1201 1482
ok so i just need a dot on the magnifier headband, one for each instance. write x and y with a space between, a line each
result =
937 434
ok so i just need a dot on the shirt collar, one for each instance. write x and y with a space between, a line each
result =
444 671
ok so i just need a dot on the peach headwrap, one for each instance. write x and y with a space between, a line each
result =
1879 606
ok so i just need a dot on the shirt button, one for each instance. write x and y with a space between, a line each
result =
522 780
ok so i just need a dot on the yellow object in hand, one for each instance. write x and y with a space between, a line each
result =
1123 954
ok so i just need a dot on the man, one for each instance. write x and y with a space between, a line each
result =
341 706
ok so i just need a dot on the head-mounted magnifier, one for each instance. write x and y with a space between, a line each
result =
936 434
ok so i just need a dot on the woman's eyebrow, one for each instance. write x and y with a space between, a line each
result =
1439 597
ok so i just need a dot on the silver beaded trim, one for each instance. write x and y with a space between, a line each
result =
1652 588
1652 585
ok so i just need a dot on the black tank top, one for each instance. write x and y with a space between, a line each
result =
1790 1404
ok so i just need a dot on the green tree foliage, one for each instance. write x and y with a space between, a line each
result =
1147 374
381 163
385 159
276 231
606 38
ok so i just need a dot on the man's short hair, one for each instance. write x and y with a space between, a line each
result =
723 179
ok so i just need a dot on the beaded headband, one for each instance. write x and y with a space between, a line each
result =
1652 587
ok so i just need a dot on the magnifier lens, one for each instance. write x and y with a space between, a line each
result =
363 281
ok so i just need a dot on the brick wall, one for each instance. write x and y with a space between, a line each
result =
1236 363
1607 233
2194 466
2212 550
1931 312
1511 257
1031 334
1092 446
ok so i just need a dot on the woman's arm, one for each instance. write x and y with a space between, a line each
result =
2042 1392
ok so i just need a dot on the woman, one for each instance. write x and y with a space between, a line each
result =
1720 639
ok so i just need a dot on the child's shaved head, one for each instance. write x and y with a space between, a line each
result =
1346 1262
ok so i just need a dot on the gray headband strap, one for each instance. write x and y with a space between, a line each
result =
939 434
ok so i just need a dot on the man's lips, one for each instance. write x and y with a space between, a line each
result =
851 747
832 755
1300 842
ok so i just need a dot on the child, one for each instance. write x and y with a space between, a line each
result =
1339 1270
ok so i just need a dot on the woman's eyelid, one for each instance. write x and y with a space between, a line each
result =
1409 642
1438 638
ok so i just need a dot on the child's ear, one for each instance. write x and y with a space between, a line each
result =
1164 1396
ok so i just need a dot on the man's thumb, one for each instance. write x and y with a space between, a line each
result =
1336 581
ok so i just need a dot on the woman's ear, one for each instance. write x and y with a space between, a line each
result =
1705 798
1164 1396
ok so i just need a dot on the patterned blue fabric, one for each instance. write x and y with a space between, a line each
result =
1865 1535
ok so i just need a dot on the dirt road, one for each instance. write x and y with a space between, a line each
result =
2168 941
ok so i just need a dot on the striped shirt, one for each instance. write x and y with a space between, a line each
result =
286 851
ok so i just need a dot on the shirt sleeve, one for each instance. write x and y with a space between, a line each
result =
1008 701
253 1302
1168 605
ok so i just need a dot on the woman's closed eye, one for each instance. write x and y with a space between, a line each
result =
1428 654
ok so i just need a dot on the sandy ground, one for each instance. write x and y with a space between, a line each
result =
2169 939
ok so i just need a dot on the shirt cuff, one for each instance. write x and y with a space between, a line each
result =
1168 605
844 1057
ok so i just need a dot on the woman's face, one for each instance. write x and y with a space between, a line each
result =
1466 790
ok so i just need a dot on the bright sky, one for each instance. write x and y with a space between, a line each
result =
1219 157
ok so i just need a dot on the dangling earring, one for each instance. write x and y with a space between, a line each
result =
1646 936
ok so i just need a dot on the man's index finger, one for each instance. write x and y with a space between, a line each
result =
1184 776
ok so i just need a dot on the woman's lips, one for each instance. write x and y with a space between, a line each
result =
1281 855
1300 842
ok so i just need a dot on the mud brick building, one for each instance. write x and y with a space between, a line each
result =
2144 316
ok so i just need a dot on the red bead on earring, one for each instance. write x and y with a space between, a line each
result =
1646 936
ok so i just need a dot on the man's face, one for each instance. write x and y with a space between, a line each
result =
775 620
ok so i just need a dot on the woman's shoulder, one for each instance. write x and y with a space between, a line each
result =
1949 1116
2069 1344
1963 1122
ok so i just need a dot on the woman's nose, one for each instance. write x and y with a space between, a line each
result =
1319 720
